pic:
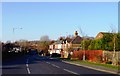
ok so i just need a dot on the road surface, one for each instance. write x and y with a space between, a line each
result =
35 64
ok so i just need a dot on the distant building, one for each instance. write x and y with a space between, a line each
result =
75 42
101 34
56 47
61 46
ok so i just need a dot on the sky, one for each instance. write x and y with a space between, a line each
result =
56 19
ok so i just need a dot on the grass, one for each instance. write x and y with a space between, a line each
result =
92 63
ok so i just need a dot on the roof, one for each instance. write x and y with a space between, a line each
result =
103 34
88 38
68 39
58 42
76 40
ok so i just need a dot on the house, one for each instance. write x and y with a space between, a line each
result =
101 34
62 46
75 42
56 47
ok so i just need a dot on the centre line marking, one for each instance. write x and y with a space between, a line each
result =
28 70
48 62
55 66
71 71
27 65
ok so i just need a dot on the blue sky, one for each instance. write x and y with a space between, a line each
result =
56 19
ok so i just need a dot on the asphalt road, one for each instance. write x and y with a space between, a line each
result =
35 64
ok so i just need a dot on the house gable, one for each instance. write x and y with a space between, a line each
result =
76 40
101 34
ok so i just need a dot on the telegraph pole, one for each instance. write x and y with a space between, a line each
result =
114 59
83 48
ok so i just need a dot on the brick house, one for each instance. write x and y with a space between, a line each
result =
75 42
101 34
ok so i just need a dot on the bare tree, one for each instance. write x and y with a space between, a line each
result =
44 38
22 42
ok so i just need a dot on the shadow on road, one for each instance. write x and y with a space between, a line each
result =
32 59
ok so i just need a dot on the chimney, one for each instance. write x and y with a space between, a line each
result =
76 33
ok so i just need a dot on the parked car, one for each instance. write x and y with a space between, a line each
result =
55 55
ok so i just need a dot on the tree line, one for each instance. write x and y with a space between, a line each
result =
104 43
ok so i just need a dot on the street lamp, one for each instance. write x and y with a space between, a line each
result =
14 32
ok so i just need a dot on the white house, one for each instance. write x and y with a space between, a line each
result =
55 47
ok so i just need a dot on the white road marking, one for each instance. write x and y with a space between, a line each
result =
55 66
48 62
71 71
28 70
27 65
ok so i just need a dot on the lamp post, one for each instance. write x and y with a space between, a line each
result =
14 33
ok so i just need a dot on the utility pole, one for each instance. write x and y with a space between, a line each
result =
114 60
83 48
114 51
